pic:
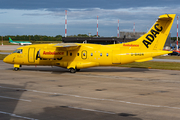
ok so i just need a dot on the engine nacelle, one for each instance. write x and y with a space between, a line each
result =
48 54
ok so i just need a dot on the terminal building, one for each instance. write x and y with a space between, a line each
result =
95 40
124 37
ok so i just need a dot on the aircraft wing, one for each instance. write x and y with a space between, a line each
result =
67 46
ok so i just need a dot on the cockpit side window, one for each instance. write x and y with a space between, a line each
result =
18 51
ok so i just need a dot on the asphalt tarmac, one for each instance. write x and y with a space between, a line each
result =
100 93
9 47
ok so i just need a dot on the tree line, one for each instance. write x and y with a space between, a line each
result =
41 37
174 38
49 38
33 37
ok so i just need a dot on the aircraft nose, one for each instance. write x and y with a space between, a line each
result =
6 59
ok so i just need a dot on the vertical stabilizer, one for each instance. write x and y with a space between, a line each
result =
10 40
156 37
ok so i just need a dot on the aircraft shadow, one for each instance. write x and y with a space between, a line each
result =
68 113
59 70
9 100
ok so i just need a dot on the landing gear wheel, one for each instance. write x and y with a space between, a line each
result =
16 69
72 70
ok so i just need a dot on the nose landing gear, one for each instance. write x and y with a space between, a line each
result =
16 67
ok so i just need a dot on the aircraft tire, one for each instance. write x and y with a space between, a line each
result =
72 70
16 69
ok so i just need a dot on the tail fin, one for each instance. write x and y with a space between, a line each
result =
157 35
10 40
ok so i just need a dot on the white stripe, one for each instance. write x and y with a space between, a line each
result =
14 115
99 99
15 98
91 110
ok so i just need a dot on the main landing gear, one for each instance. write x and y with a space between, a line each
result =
72 70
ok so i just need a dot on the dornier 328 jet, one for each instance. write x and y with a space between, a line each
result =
75 56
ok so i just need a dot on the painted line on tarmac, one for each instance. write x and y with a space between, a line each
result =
5 53
98 99
92 110
15 98
17 116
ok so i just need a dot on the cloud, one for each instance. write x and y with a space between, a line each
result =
80 4
83 19
3 12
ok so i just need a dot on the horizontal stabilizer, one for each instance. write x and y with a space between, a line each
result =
165 16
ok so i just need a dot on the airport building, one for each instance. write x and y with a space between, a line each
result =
124 37
95 40
131 35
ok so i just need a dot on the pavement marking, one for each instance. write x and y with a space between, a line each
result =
92 110
17 116
5 53
15 98
98 99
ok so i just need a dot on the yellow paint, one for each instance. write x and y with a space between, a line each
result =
79 56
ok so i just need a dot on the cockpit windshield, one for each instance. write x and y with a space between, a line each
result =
18 51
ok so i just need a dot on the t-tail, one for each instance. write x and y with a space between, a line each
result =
156 37
10 40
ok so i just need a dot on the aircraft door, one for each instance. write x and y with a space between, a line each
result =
116 58
84 54
31 55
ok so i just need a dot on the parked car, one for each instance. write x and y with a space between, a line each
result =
174 53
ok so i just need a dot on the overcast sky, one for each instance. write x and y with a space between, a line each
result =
47 17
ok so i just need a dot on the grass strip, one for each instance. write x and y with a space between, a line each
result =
168 57
2 56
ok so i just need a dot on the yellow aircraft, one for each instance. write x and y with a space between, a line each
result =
75 56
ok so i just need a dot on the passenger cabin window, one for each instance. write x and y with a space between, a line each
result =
91 54
70 54
77 54
100 54
107 54
18 51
